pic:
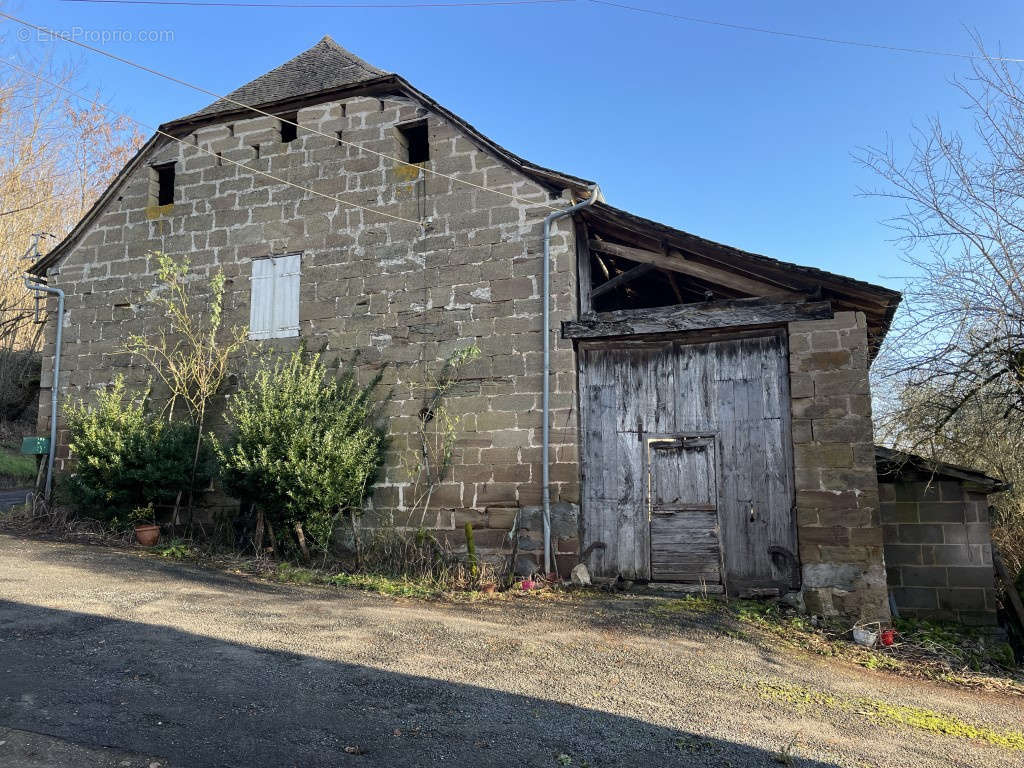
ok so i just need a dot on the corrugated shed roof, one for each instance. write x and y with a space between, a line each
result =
324 66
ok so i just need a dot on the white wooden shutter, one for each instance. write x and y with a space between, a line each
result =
286 295
261 299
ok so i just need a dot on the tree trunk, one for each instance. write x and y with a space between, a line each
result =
270 533
302 541
258 536
355 540
177 508
195 462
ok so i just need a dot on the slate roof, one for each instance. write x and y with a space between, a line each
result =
323 67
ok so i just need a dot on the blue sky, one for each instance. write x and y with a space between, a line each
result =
740 137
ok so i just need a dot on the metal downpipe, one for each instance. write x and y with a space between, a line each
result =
545 445
34 285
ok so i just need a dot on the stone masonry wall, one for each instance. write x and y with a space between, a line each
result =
401 295
838 526
938 550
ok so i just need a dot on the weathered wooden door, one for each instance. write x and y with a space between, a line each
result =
683 502
734 389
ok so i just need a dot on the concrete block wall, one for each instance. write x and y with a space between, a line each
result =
400 294
837 515
938 550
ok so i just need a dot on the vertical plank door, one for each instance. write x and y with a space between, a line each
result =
683 504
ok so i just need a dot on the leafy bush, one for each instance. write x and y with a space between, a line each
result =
127 459
303 449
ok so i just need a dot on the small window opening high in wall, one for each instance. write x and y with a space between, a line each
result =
415 141
289 127
163 187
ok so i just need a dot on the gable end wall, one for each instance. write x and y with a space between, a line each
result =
401 296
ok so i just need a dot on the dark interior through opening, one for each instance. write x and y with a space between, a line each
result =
416 141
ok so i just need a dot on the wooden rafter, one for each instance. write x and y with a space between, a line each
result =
675 287
621 279
677 262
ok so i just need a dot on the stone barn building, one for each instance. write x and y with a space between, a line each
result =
709 408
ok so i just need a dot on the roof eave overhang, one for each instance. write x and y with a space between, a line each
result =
877 302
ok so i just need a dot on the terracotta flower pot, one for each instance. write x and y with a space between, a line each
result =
147 535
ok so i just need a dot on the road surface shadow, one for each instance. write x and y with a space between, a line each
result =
200 701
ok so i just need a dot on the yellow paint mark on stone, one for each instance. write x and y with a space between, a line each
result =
407 172
159 211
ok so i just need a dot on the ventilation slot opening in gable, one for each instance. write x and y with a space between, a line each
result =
164 183
289 127
415 141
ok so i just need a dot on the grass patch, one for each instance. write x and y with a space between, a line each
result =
385 585
16 469
884 713
688 606
371 582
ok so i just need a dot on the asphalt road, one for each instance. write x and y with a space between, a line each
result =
103 649
11 496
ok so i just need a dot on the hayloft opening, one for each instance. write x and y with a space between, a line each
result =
289 127
165 183
415 140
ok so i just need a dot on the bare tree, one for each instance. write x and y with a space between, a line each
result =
55 159
960 335
951 374
190 353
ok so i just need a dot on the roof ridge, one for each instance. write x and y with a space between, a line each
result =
325 65
347 53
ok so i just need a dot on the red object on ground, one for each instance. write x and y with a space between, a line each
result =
528 585
888 636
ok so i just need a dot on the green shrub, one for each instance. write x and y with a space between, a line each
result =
127 459
303 448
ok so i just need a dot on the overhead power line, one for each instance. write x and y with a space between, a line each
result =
333 137
106 108
622 6
801 35
30 206
239 4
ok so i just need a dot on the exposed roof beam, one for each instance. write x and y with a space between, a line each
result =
739 313
675 287
621 279
677 262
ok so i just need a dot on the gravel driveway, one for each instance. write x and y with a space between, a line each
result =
189 667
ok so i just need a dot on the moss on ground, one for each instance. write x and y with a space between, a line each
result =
883 713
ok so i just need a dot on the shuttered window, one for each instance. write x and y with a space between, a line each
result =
274 309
